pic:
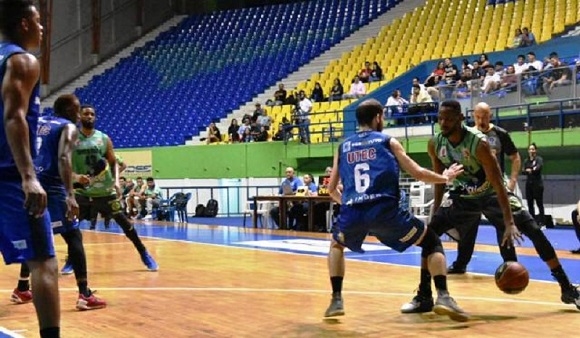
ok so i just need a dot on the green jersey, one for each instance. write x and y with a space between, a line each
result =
89 158
472 183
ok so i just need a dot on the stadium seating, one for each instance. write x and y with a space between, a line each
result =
202 69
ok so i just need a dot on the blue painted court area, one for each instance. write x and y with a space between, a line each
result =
482 262
5 333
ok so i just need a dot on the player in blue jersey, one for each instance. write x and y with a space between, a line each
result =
57 136
25 233
368 165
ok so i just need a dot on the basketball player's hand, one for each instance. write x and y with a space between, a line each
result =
84 179
453 171
34 197
72 208
511 235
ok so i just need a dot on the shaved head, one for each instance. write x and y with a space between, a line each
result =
482 116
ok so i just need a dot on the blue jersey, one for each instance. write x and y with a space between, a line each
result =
7 166
49 132
368 169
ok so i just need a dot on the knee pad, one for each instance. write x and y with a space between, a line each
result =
431 243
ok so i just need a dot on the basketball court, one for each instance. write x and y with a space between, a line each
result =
220 281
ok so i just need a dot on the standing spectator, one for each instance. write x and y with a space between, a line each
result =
534 184
528 38
280 95
317 93
376 72
357 89
576 222
213 134
303 117
336 91
365 73
233 135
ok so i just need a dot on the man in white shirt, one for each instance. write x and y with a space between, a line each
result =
521 66
303 117
491 81
357 89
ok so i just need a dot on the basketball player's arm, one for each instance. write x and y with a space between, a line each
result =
420 173
514 155
495 177
333 190
66 144
22 73
438 167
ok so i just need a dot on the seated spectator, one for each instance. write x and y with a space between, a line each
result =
365 74
280 95
517 41
465 65
242 129
420 103
520 66
528 38
433 80
317 93
126 186
576 222
291 183
417 81
213 134
509 80
420 95
233 135
292 99
150 199
336 91
259 111
284 132
499 68
560 75
394 105
491 81
484 60
376 72
247 136
264 121
463 85
357 89
133 205
263 135
478 72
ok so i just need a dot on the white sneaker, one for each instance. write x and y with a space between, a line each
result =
148 216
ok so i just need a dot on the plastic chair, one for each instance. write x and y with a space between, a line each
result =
262 211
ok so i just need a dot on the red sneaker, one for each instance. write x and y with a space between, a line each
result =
90 303
21 297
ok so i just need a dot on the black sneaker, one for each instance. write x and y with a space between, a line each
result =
576 252
336 307
446 306
419 304
571 296
456 269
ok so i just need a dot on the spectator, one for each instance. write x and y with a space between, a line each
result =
357 89
242 129
233 129
520 66
484 60
290 183
336 91
433 80
284 132
528 38
534 184
465 65
280 95
150 198
499 69
259 111
417 81
263 135
419 95
365 73
213 134
534 65
394 106
517 41
247 136
491 81
420 102
376 72
509 81
303 117
463 86
317 93
576 222
300 210
560 74
264 121
133 205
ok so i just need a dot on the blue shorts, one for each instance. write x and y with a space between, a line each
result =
22 237
393 225
57 209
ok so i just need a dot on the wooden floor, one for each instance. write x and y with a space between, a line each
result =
219 291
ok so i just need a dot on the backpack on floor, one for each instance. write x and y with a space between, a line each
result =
211 209
200 210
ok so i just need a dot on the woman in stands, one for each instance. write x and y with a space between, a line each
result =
377 72
233 135
213 134
317 93
336 92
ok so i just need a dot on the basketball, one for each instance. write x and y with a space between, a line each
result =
512 277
